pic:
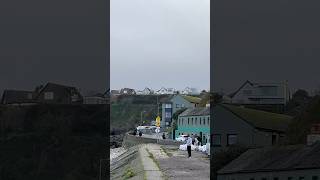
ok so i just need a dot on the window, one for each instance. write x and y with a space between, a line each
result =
168 106
182 105
231 139
247 92
168 115
177 105
191 121
208 121
216 139
315 178
195 122
204 121
48 95
200 121
29 96
274 139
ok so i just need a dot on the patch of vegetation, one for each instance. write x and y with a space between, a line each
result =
153 158
165 151
129 173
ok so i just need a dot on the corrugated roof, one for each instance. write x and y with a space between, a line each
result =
261 119
197 111
275 158
192 99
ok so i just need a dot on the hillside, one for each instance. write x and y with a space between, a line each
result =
126 111
46 142
309 114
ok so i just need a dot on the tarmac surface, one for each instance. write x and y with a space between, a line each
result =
174 163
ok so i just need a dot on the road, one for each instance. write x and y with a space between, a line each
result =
174 163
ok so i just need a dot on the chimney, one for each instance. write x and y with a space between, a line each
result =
314 135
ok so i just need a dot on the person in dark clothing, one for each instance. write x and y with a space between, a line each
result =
163 136
189 143
140 133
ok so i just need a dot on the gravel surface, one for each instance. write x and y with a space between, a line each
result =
178 166
116 152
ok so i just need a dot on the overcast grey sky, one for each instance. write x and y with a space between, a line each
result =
266 41
157 43
54 41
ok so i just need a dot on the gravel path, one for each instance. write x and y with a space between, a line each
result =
178 166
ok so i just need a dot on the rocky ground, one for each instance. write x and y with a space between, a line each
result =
116 140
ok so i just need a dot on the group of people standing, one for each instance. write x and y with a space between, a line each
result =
197 142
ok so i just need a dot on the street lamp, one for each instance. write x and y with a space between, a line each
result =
141 116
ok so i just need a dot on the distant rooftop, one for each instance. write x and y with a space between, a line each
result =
192 99
197 111
261 119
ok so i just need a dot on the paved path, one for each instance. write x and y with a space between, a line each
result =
152 171
178 166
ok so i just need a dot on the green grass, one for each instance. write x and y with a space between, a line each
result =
153 158
166 151
129 173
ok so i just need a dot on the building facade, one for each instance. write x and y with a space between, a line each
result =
176 103
195 121
263 96
234 125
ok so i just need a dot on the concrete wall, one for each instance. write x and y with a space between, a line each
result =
130 140
281 175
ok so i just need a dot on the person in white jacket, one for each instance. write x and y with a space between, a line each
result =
189 143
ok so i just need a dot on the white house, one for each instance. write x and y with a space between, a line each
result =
146 91
190 91
261 93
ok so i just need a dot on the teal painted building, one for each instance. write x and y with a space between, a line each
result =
195 121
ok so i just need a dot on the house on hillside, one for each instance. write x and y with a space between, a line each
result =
18 97
234 125
115 92
96 99
264 96
53 93
294 162
175 103
146 91
190 91
127 91
163 91
195 121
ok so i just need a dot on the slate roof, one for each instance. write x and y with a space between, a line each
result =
17 96
277 158
192 99
197 111
261 119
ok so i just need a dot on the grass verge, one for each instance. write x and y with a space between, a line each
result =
166 151
153 159
129 173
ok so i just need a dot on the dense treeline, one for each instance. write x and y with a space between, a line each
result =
52 141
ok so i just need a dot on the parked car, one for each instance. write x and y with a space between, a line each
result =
182 138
